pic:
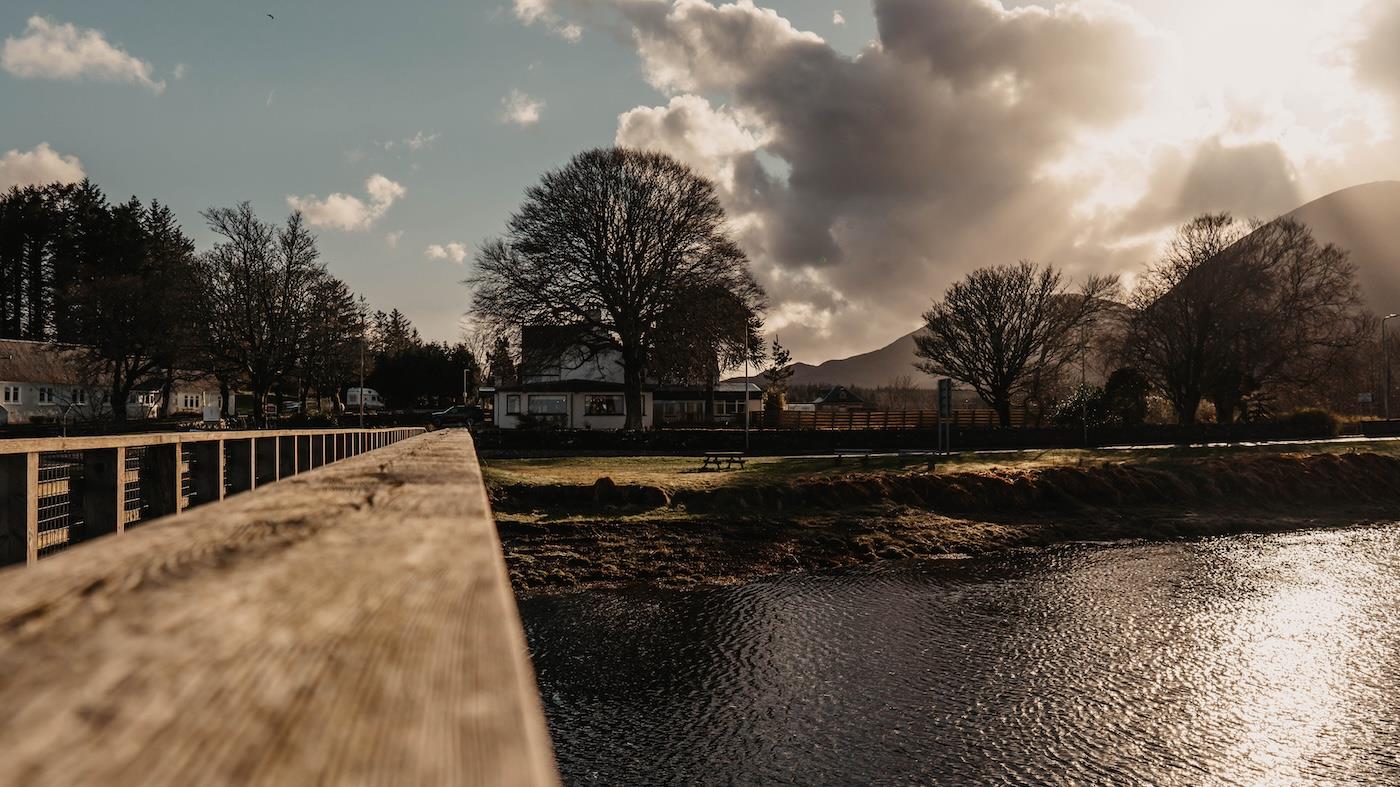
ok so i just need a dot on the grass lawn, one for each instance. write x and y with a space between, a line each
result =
683 472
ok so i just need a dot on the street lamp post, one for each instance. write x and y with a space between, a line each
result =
746 386
1385 351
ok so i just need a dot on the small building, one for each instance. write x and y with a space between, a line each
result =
686 405
565 384
840 400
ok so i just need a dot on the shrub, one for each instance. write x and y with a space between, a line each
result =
1313 422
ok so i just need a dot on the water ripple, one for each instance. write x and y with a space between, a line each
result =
1245 660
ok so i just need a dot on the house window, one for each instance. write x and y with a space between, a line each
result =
191 401
45 396
548 405
79 396
603 404
12 394
513 404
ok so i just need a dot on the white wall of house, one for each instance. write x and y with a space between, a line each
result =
580 410
24 402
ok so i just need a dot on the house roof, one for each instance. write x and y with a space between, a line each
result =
40 362
568 386
838 395
23 361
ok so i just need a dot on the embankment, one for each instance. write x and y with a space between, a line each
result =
565 537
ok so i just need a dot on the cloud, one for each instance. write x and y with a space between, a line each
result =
392 239
38 167
457 252
520 110
979 132
1249 181
838 19
51 50
347 212
542 12
862 186
419 141
180 70
1377 56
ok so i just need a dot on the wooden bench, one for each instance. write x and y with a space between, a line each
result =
930 457
713 460
863 453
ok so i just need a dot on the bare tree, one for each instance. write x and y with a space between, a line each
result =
610 244
259 286
1002 328
709 331
1226 314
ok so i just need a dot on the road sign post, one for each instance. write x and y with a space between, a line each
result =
945 415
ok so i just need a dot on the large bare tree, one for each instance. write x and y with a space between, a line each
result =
1229 312
610 244
1001 328
260 285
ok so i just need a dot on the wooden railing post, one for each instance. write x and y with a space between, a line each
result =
238 470
19 508
207 471
104 491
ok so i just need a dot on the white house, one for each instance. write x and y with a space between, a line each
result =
565 384
43 382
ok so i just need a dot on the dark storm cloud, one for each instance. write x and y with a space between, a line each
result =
909 164
1250 181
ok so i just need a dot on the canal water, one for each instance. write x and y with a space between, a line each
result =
1244 660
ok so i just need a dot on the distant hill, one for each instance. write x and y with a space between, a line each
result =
1364 220
867 370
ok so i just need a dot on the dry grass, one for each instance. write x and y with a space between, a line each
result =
682 473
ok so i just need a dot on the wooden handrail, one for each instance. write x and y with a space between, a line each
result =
117 480
350 625
24 445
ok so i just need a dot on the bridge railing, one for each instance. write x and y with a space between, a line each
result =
350 625
57 492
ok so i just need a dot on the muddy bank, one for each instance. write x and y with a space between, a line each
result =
565 538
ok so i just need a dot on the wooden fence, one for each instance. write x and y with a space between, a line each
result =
349 625
879 420
57 492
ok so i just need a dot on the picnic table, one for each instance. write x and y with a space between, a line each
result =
863 453
713 460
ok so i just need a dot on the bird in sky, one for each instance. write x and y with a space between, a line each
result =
270 16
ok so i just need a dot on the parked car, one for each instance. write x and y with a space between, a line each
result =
467 415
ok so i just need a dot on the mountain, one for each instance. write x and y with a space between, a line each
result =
867 370
1364 220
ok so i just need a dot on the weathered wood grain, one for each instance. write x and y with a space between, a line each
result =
349 625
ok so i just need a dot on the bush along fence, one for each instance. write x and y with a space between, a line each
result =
57 492
798 441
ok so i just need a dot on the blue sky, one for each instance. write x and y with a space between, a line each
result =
866 165
302 105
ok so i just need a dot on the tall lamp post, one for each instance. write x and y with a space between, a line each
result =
746 386
1385 352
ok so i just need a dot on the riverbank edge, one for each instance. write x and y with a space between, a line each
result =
562 540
